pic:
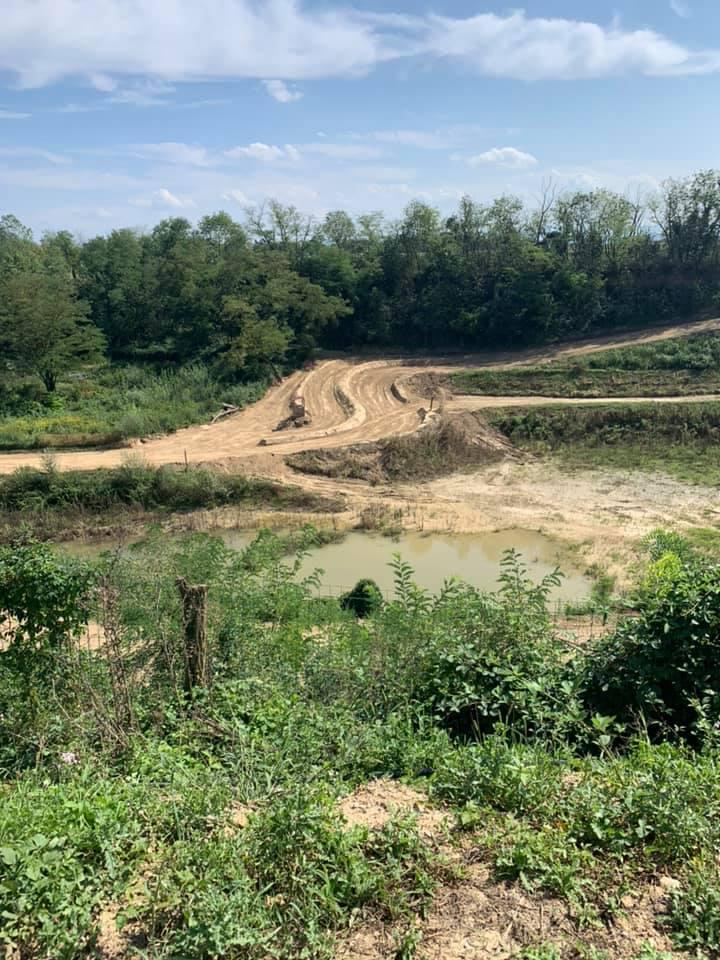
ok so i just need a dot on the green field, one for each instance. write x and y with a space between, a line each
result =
681 440
113 404
689 365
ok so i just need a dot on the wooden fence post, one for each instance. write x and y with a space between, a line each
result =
197 657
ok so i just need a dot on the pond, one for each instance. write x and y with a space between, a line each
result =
435 557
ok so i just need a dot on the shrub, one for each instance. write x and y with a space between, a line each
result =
364 598
663 666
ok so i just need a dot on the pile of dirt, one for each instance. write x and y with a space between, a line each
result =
446 443
449 443
429 384
375 803
359 461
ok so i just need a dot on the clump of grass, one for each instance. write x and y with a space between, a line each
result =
116 404
48 499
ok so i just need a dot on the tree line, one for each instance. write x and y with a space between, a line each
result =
248 298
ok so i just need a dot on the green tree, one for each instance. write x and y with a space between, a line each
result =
44 328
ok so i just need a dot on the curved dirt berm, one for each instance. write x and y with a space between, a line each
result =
382 400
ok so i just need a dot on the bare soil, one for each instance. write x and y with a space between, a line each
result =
357 404
477 918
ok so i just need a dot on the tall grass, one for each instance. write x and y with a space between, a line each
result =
117 404
686 365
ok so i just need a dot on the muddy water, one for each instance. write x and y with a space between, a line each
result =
474 558
434 557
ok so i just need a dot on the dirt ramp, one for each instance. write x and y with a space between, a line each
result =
441 445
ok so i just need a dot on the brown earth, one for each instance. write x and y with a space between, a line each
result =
351 402
359 403
478 918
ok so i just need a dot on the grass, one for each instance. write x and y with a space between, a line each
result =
680 440
111 405
207 825
685 366
53 503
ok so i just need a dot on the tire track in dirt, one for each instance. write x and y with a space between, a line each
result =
378 412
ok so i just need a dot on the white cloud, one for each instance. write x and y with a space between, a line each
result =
264 152
103 83
503 157
12 115
148 93
170 152
179 40
534 48
237 196
35 153
680 8
280 91
163 198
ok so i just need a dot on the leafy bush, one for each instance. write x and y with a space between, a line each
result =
695 913
663 666
364 599
500 665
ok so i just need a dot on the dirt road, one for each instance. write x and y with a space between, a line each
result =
382 404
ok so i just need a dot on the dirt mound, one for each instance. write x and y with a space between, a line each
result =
429 384
360 461
445 443
375 803
479 919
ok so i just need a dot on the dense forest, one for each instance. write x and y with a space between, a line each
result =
243 299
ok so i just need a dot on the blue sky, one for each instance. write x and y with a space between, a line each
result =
122 112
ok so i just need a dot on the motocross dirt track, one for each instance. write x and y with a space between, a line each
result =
382 404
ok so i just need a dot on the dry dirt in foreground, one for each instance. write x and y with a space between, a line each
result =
477 918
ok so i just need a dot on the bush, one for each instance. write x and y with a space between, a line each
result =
662 668
364 598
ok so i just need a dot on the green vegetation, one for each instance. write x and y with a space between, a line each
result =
48 502
238 303
673 438
111 405
204 821
689 365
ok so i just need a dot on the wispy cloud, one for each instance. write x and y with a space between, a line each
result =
681 8
170 152
281 92
102 82
146 93
12 115
163 198
264 152
237 196
79 108
180 40
36 154
503 157
201 104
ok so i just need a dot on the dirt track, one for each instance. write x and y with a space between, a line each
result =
376 390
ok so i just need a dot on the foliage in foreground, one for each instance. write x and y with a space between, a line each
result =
211 824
